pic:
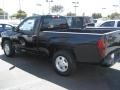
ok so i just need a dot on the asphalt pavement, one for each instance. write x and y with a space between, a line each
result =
32 72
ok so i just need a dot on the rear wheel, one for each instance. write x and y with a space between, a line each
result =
64 63
8 48
109 61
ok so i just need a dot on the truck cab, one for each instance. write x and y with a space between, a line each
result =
28 31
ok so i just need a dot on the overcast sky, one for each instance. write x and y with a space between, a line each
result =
85 6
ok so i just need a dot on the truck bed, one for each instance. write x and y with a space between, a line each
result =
84 42
94 30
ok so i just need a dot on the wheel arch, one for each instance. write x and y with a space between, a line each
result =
68 54
53 49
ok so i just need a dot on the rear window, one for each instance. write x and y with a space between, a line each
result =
74 22
88 20
54 22
69 21
78 22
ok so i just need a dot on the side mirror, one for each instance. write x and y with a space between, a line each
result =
15 29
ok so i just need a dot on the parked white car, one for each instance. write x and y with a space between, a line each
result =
110 23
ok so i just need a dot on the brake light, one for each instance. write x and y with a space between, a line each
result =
101 47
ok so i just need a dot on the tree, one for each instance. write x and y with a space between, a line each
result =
57 9
20 14
3 14
1 11
114 15
96 15
70 14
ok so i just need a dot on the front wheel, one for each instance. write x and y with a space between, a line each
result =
64 63
8 48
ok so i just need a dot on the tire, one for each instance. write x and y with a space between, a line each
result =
64 63
108 61
8 48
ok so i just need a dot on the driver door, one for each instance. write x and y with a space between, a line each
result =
27 33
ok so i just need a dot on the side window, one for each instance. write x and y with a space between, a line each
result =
28 25
108 24
118 25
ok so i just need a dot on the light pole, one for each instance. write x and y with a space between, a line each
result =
117 5
39 5
20 9
49 1
103 11
75 6
19 4
3 10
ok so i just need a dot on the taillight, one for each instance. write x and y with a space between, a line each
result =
101 47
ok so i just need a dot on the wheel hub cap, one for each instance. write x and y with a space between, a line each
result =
61 63
7 49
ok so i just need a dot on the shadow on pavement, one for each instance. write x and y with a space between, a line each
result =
87 77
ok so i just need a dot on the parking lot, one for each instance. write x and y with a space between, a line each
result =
30 72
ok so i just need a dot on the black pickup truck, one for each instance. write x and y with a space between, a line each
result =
51 35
